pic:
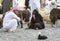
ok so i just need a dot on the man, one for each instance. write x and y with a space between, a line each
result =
42 2
10 20
26 4
0 8
58 3
6 5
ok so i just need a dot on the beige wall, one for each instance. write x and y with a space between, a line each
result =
0 1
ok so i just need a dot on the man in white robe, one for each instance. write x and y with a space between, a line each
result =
34 4
15 3
58 3
10 21
47 7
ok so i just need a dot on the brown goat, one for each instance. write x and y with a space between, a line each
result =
54 16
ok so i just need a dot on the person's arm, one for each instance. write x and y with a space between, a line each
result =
16 17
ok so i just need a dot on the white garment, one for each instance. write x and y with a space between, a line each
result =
15 3
33 5
19 3
10 21
48 5
58 2
47 1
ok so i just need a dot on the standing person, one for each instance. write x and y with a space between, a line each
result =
47 1
6 5
34 4
26 4
10 20
15 3
42 2
0 8
58 3
47 7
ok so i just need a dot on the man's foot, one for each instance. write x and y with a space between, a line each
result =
12 31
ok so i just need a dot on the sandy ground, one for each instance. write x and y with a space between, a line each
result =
22 34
